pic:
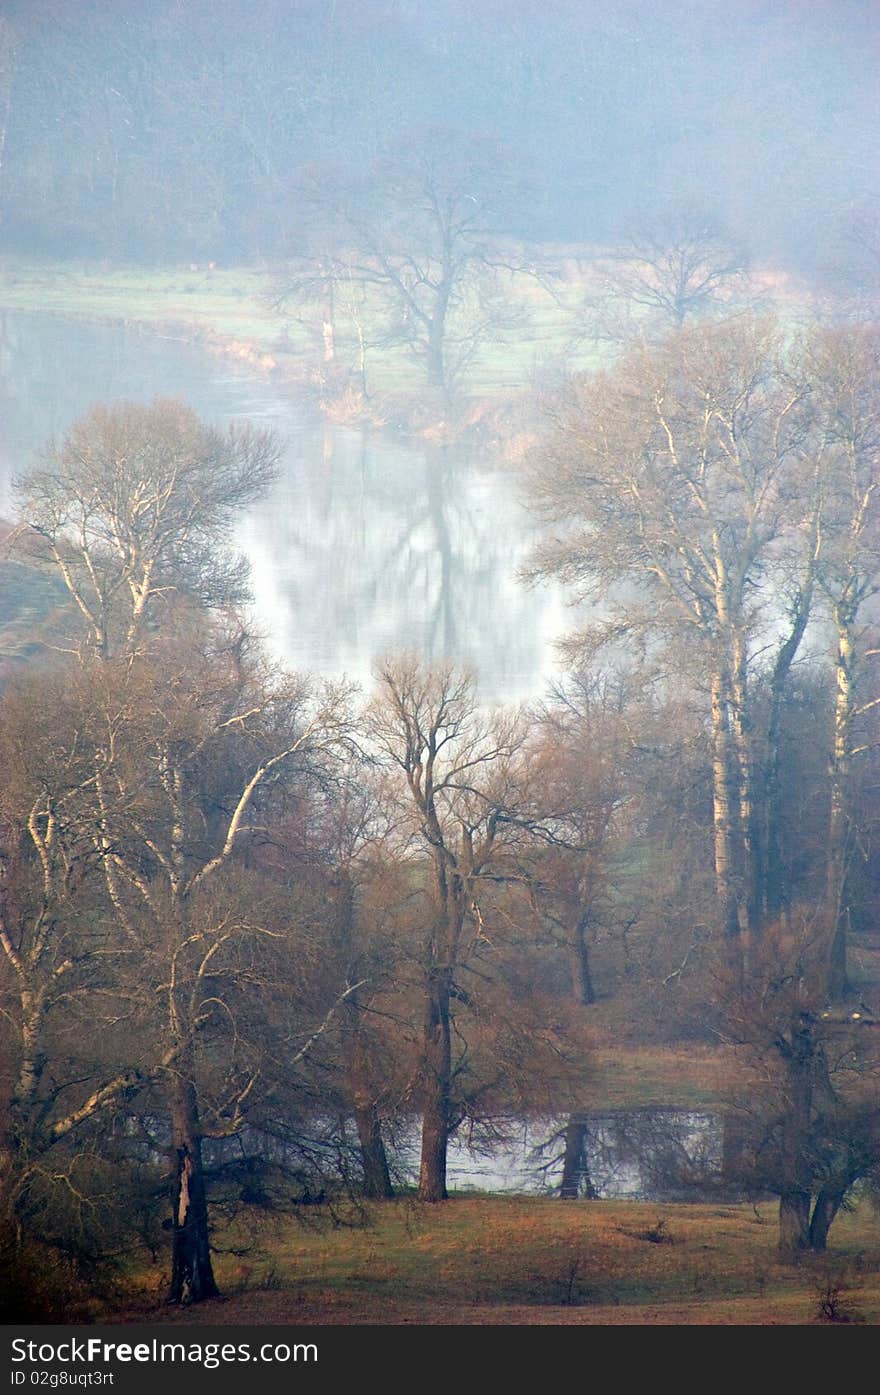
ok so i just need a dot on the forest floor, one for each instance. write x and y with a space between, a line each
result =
534 1261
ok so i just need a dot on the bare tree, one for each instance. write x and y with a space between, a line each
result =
844 365
152 788
670 482
853 272
136 505
579 756
456 813
579 762
56 943
320 280
188 731
334 843
808 1113
681 268
200 740
423 233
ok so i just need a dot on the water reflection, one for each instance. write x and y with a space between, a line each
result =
645 1154
365 547
648 1154
387 547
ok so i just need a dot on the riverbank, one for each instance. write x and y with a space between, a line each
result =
229 312
223 307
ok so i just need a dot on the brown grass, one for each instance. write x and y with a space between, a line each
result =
530 1261
688 1076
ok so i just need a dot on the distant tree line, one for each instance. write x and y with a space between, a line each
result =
162 131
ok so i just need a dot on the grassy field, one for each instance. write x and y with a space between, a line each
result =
689 1076
528 1261
228 310
226 300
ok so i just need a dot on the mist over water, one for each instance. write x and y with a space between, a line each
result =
635 245
577 124
364 546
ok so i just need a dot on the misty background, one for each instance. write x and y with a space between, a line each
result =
177 128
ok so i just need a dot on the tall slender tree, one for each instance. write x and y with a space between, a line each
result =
669 483
844 366
457 800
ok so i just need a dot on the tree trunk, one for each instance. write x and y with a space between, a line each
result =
32 1060
437 1084
827 1205
582 979
775 892
328 325
192 1276
435 359
436 341
794 1223
801 1058
374 1159
839 822
838 971
772 874
362 351
723 823
749 830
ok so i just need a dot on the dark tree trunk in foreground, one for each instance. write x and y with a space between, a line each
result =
192 1276
437 1083
794 1223
828 1203
582 978
799 1231
428 723
806 1077
374 1159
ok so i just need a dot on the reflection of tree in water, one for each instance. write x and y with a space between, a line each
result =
365 546
656 1154
379 547
446 561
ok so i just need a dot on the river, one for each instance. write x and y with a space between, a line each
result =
647 1154
366 545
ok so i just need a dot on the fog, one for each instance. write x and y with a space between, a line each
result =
450 315
160 128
